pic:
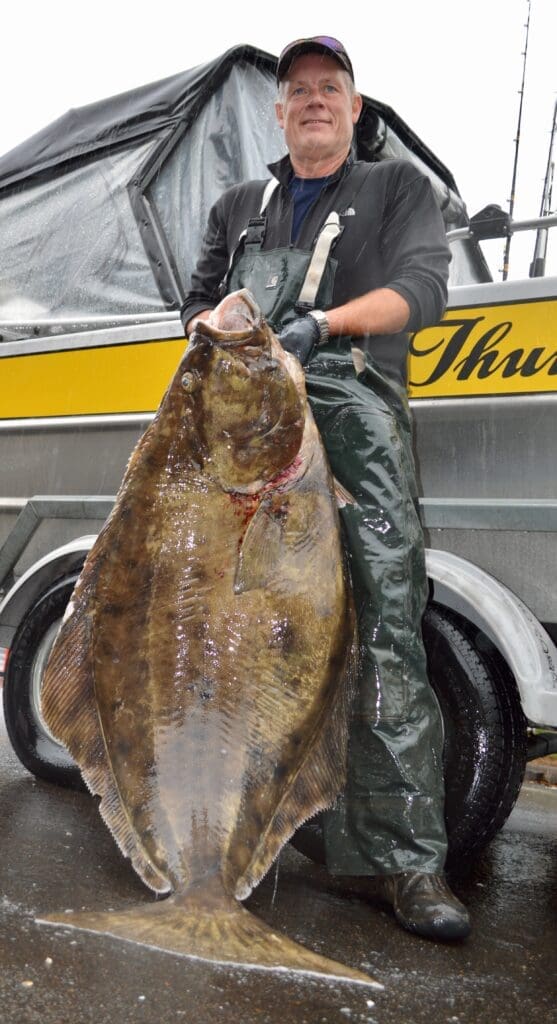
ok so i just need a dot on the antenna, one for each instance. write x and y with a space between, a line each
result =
516 148
537 266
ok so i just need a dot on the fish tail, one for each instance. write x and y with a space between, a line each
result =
223 932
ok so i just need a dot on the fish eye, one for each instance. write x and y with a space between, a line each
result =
190 381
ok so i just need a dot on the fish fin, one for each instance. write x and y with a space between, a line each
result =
281 530
316 784
343 496
218 931
260 550
69 709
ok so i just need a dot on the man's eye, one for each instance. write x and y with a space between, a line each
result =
330 88
298 91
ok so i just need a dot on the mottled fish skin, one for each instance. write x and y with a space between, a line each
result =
201 678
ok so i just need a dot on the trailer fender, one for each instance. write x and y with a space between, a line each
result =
62 561
522 641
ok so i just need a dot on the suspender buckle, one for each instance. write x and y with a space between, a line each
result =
255 232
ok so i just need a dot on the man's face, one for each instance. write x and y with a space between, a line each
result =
318 111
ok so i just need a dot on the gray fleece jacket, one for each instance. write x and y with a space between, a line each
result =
393 237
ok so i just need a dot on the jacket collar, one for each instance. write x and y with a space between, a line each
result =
282 169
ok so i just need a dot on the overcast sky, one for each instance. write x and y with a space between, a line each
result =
451 70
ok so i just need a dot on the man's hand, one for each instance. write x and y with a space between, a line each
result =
204 315
301 337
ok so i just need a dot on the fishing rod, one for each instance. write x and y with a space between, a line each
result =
507 252
537 266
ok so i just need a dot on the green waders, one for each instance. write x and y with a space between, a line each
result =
390 817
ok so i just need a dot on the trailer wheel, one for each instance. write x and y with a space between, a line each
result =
484 751
30 737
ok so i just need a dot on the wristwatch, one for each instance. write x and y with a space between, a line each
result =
322 323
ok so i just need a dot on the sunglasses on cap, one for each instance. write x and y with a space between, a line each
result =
326 44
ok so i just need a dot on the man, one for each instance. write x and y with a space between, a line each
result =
344 259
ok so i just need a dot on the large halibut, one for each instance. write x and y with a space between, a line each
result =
201 676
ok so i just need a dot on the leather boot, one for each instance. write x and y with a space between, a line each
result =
423 903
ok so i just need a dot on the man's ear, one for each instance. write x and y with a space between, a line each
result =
357 104
279 111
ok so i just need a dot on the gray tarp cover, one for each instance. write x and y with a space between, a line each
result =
72 244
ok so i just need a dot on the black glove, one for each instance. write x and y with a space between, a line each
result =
301 337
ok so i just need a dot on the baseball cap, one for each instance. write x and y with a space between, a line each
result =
315 44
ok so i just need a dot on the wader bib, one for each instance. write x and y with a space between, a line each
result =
390 817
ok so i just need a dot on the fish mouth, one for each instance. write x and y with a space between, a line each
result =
206 331
235 321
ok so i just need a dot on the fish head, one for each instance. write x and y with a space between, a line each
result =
248 405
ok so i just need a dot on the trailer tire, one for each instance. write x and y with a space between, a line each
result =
485 745
484 753
35 747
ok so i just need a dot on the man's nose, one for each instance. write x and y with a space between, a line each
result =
315 97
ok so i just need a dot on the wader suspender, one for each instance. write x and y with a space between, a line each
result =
254 234
330 230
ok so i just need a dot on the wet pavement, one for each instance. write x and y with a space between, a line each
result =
56 854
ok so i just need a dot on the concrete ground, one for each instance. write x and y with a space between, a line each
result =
56 855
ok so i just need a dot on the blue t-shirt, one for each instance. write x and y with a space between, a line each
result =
304 192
